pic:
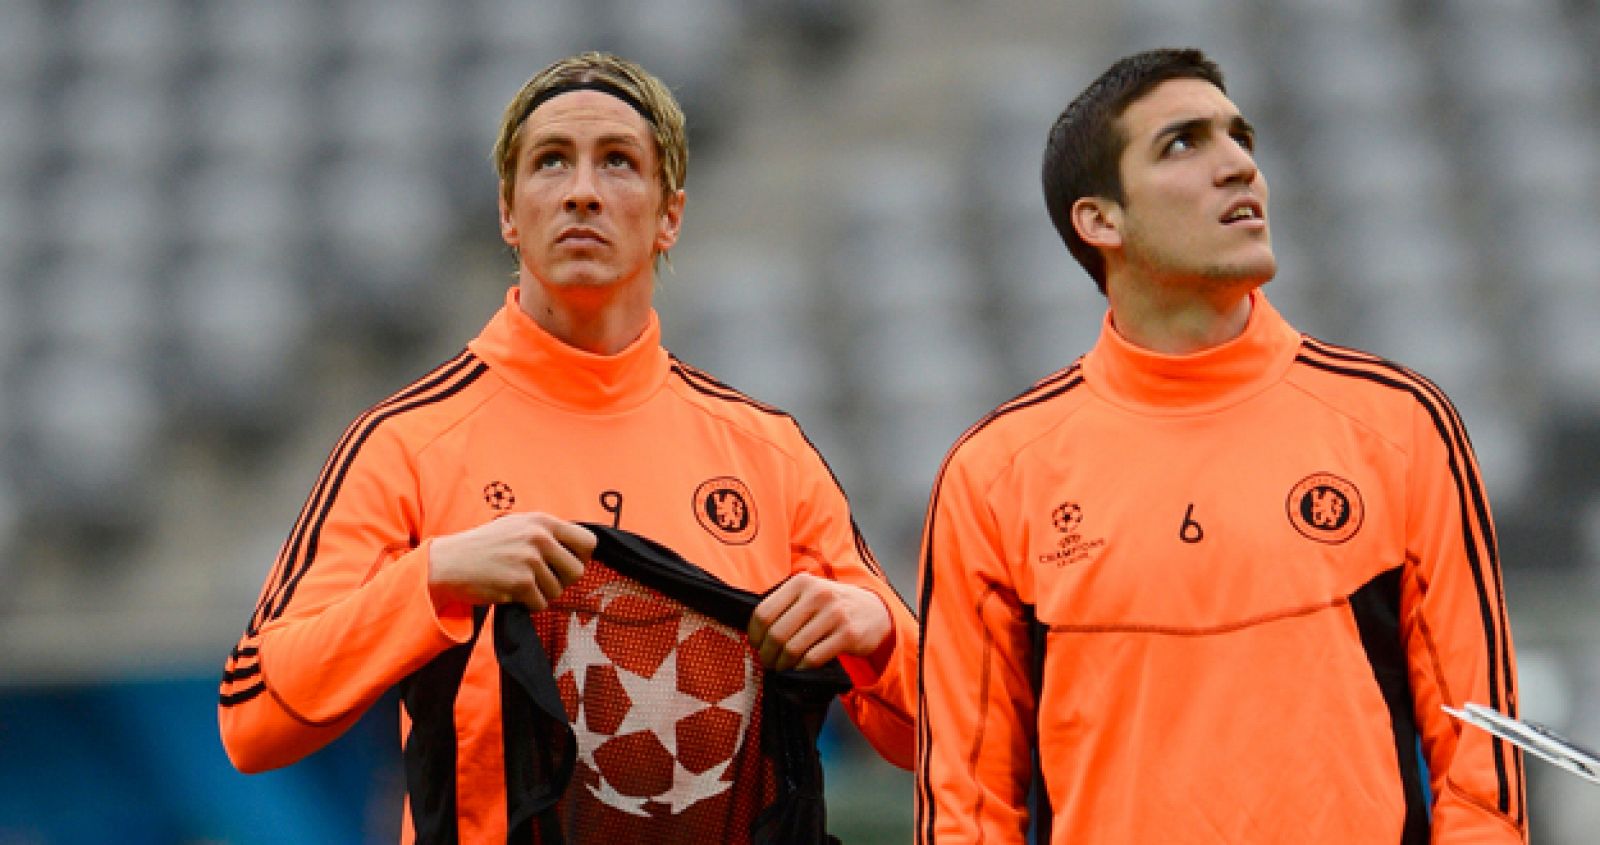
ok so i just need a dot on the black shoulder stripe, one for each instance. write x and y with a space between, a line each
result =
1356 356
1474 520
389 411
1054 379
1044 391
702 382
292 546
1054 386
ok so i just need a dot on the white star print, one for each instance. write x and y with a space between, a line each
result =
657 705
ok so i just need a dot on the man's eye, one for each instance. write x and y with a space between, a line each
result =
545 161
1180 143
1246 140
618 160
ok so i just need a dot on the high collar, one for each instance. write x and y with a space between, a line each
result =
539 363
1152 382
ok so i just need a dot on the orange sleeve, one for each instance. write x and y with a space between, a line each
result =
827 542
976 703
1458 637
344 615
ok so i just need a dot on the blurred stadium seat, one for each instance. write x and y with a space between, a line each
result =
205 207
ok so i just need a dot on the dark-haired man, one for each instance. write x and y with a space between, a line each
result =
462 491
1213 581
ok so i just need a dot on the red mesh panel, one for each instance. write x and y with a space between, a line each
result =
666 707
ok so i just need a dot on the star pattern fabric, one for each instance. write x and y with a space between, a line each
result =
656 704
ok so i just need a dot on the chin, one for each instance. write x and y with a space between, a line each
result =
1256 271
581 280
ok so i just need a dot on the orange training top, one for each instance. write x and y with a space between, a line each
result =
520 421
1221 597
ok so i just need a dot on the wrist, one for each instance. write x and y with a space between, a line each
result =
441 591
452 615
877 653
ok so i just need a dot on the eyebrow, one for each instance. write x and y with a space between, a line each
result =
616 139
1236 123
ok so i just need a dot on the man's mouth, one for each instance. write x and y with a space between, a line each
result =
580 236
1244 211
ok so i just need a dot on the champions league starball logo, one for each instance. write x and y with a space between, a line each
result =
660 699
1067 516
1071 546
499 497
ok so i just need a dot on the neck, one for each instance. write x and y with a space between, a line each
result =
600 320
1179 319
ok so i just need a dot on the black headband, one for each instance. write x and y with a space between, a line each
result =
600 85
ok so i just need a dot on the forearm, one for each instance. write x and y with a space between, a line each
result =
1459 642
306 678
886 684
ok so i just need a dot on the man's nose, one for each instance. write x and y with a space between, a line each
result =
582 193
1238 165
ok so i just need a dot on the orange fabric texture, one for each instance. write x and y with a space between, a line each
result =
520 421
1211 555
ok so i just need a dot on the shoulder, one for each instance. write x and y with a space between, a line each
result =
420 411
737 412
994 441
1372 389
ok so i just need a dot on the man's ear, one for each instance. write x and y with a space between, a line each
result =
670 222
508 226
1098 221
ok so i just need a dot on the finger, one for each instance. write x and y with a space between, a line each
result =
530 596
545 582
769 610
563 565
770 650
823 650
787 637
579 540
796 648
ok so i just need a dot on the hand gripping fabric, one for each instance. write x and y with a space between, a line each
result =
654 721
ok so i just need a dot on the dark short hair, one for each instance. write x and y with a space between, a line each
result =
1083 153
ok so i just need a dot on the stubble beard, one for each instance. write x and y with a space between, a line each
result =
1210 277
1216 277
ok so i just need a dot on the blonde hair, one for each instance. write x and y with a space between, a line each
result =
660 108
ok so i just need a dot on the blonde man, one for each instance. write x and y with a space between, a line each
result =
465 490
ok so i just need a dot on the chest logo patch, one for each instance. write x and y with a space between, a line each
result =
1071 547
1325 508
725 508
498 495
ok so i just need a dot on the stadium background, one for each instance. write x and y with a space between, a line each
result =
227 226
